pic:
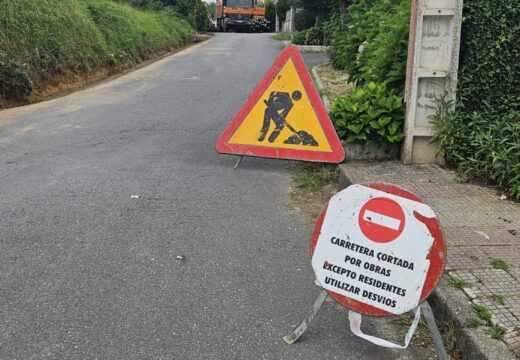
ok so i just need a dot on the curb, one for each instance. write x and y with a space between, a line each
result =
453 307
308 48
320 86
312 48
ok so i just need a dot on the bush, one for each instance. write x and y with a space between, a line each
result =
373 45
484 145
372 48
312 36
299 37
385 56
369 114
14 82
304 19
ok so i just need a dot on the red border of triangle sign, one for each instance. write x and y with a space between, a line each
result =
337 153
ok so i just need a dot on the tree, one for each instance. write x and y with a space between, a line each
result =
282 6
320 8
194 11
270 14
211 7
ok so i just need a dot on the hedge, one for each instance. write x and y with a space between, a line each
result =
482 138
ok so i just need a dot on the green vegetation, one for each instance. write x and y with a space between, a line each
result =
482 312
281 36
497 332
195 11
498 299
474 321
480 136
499 264
372 48
373 44
369 114
311 36
313 176
42 40
459 283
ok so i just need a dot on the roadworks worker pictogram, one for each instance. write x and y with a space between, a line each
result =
279 105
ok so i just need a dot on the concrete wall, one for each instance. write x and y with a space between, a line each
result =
289 23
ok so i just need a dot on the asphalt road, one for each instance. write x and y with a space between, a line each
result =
88 272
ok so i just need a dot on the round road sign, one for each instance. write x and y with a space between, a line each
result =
378 249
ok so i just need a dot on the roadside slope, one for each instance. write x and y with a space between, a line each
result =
46 44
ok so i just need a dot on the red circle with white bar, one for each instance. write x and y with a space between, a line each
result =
381 220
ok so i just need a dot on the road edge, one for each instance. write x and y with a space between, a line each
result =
93 80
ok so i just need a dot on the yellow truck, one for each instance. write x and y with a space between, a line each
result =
238 15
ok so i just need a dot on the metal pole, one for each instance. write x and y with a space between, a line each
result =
238 162
291 339
434 330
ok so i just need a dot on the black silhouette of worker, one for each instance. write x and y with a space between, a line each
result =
278 105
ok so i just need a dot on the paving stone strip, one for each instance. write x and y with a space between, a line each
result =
482 233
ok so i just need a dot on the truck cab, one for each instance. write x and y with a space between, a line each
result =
238 15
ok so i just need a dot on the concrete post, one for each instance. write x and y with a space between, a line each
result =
433 58
293 19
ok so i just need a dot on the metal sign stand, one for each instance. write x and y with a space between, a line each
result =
238 162
426 309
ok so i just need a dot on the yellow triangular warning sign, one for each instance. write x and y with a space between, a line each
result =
284 118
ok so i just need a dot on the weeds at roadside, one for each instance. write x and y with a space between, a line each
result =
313 176
313 185
422 336
474 321
459 283
497 299
497 332
482 312
499 264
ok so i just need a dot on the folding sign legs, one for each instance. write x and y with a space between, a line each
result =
238 162
425 308
432 326
291 339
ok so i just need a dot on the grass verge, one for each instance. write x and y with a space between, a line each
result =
44 43
282 36
313 185
336 82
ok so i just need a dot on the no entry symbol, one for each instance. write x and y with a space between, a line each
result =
381 220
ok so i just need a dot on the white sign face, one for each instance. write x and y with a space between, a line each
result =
373 249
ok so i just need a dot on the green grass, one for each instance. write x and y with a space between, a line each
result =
459 283
313 176
281 36
46 38
499 264
482 312
498 299
497 332
474 321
